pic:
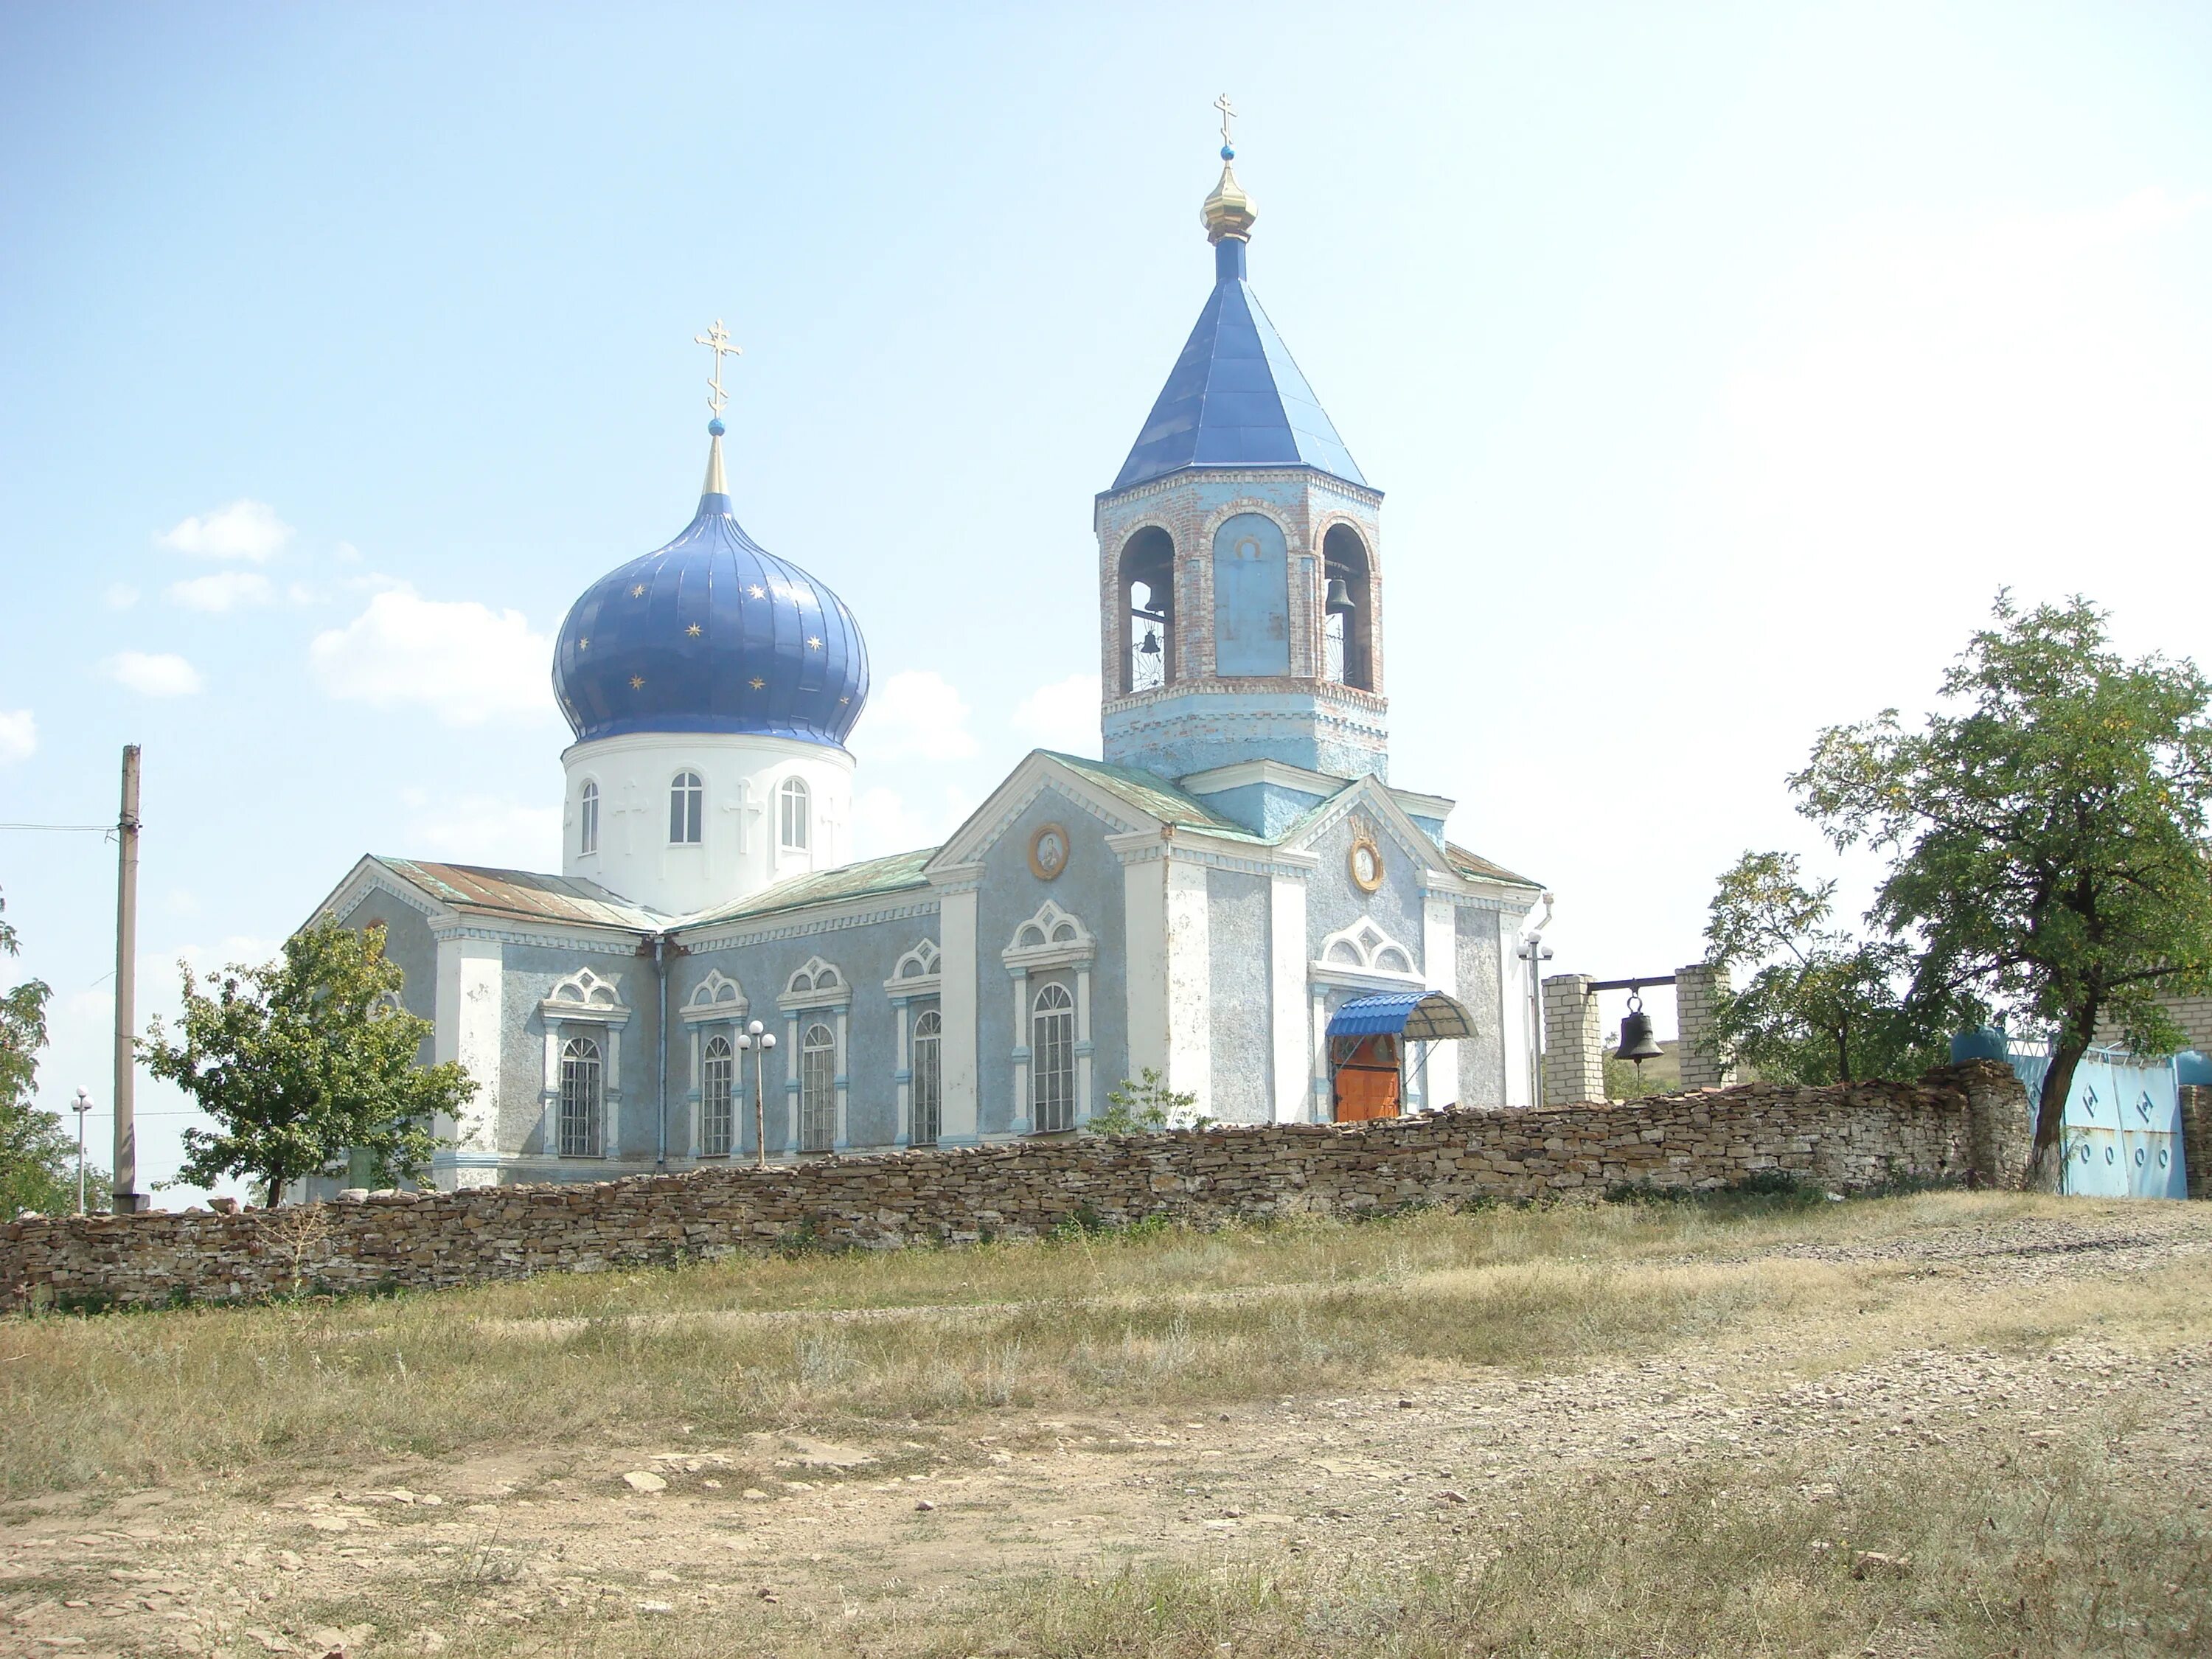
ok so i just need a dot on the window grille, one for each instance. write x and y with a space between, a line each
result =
687 809
1051 1059
715 1116
582 1092
928 1078
817 1090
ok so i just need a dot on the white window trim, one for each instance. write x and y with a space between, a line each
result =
584 1004
707 1001
916 976
596 816
1041 954
784 845
835 992
668 797
1367 942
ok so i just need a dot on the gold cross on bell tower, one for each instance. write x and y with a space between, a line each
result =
1228 114
717 340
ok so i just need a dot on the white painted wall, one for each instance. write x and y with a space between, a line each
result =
740 852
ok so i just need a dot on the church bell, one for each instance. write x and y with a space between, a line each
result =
1151 647
1338 598
1637 1043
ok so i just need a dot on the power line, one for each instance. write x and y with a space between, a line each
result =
70 829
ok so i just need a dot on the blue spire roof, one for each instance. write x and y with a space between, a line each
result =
712 633
1234 397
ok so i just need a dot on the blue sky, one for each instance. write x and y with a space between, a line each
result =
1719 362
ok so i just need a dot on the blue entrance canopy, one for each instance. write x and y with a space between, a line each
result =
1418 1015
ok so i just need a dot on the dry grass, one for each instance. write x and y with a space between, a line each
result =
2033 1544
824 1342
2049 1555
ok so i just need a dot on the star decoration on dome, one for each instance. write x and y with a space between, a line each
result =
814 642
694 630
756 683
637 681
758 590
638 592
583 645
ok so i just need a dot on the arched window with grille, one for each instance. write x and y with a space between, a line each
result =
582 1096
687 809
587 818
1052 1059
928 1078
716 1118
793 802
818 1089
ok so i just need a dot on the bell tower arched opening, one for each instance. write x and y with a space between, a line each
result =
1145 632
1348 610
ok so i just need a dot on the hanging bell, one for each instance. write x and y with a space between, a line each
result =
1338 600
1151 647
1637 1043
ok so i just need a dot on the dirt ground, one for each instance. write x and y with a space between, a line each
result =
424 1557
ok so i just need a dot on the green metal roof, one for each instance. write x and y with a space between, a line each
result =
865 879
525 894
1154 796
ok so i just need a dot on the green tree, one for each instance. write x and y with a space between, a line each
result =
303 1060
1817 1005
2047 830
38 1157
1147 1105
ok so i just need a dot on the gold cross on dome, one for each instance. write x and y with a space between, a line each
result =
717 340
1228 114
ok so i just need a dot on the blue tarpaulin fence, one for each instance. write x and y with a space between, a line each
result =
2122 1127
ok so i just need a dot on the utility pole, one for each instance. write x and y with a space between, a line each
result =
128 1200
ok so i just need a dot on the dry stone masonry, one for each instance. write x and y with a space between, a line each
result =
1966 1123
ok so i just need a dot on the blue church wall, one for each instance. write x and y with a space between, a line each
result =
410 946
1481 1058
1251 597
529 973
864 955
1088 888
1265 809
1334 904
1237 925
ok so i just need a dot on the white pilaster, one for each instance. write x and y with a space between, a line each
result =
1144 922
1517 1013
1440 968
957 920
843 1138
1286 998
1024 1121
1189 983
470 989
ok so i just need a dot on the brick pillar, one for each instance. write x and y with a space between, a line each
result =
2196 1138
1574 1048
1698 989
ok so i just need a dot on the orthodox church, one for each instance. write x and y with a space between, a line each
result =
1235 897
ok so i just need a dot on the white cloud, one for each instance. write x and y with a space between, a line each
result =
465 660
487 830
885 821
121 596
18 735
225 589
917 714
244 530
154 674
1063 715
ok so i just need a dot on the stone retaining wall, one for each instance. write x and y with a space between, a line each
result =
1962 1123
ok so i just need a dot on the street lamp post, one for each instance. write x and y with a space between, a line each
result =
81 1105
758 1038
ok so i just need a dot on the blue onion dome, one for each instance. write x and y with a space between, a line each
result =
712 633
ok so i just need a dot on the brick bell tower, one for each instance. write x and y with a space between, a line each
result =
1239 581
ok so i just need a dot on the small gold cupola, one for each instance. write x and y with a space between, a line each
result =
1228 213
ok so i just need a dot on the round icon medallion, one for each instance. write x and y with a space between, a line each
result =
1366 861
1048 850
